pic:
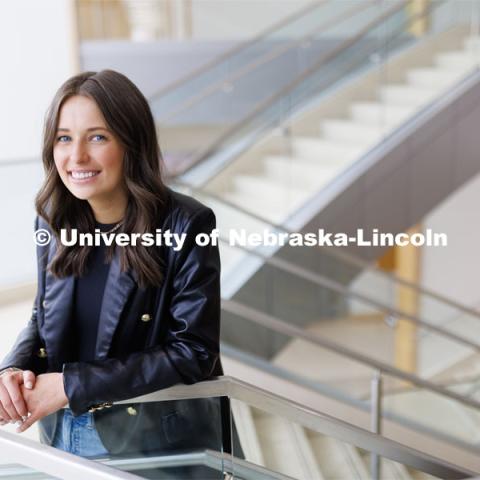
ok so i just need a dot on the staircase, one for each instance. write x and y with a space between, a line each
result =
290 449
282 172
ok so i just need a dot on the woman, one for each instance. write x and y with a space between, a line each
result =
111 323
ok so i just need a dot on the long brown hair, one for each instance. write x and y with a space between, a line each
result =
128 116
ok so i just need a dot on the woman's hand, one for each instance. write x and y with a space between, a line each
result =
12 403
47 397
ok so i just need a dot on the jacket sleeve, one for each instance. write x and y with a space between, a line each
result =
22 353
191 348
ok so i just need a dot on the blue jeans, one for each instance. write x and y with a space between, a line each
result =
78 435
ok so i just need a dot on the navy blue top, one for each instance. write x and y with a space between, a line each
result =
88 297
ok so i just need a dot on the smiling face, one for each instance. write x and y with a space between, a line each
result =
89 158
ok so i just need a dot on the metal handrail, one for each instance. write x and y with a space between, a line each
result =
57 463
361 403
333 252
213 459
310 419
210 458
363 264
292 331
254 65
236 49
322 281
65 465
262 106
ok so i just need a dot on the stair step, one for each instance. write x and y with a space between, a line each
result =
401 94
311 148
472 43
294 171
228 217
388 468
351 132
337 459
286 448
432 77
391 469
261 186
247 432
274 211
380 113
458 60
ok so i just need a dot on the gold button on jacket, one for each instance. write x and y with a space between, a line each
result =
131 411
146 317
42 353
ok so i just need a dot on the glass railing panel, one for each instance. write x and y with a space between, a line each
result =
296 297
292 41
181 438
280 444
447 51
300 155
468 385
363 279
210 113
307 20
449 418
284 321
411 67
22 458
318 76
12 471
389 469
410 348
312 301
316 306
263 437
295 358
166 439
348 382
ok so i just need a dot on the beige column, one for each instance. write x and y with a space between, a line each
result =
188 18
416 11
74 40
408 268
101 19
183 19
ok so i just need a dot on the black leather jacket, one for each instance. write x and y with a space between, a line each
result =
148 339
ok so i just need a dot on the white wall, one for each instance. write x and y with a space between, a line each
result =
455 270
239 19
37 40
35 46
452 271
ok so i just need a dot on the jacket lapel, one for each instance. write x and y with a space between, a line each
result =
118 287
59 298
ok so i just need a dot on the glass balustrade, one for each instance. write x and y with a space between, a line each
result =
230 429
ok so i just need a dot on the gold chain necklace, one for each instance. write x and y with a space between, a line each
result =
115 227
